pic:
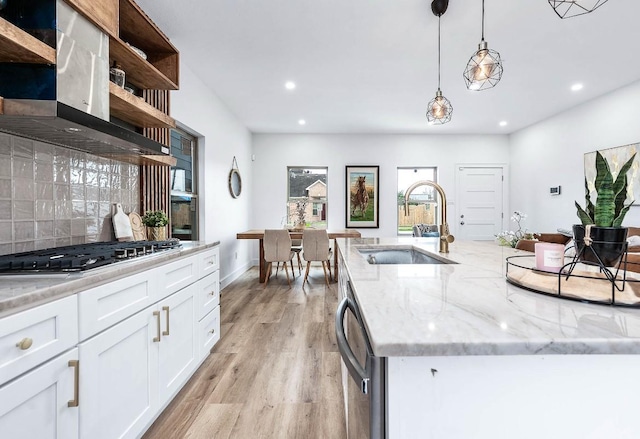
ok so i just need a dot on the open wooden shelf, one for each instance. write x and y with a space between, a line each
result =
137 29
139 71
135 111
17 45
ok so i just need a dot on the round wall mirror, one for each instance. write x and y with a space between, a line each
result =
235 183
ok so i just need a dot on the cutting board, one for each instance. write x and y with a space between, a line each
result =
139 229
122 225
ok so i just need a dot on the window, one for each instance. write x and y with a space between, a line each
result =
307 190
184 199
423 201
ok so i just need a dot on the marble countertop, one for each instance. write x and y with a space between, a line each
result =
19 292
469 308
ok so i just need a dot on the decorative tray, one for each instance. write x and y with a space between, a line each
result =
582 282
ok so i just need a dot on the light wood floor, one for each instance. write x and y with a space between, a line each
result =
275 373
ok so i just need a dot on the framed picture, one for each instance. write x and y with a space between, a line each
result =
616 157
362 194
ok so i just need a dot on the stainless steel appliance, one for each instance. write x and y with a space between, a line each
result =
365 391
73 258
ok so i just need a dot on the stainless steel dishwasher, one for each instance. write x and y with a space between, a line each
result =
365 391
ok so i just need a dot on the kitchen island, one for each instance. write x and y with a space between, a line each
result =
469 355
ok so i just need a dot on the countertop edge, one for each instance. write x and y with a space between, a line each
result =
78 282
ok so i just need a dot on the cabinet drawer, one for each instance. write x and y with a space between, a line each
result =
51 328
108 304
208 332
209 261
208 294
177 275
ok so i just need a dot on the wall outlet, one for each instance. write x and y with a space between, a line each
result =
554 190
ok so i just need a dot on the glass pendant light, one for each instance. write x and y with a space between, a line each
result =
439 108
484 69
573 8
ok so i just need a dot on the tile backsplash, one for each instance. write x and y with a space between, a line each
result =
52 196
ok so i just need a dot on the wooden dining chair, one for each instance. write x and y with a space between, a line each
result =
277 248
315 247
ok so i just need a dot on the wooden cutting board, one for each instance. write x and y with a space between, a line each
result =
122 225
139 230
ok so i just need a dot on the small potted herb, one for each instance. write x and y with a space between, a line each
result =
155 220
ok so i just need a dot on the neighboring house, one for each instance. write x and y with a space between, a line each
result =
316 211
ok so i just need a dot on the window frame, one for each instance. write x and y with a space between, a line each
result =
193 194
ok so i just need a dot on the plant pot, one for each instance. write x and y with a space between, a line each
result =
610 243
157 233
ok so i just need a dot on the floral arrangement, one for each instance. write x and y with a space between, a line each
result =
301 210
510 238
155 218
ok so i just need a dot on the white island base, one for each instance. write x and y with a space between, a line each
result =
514 397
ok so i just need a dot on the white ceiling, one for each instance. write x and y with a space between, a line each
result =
370 66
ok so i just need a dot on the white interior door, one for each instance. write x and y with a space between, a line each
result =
480 202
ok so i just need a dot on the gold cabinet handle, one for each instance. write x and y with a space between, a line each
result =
157 314
166 308
25 343
76 383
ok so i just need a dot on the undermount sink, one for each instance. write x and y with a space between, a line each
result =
400 255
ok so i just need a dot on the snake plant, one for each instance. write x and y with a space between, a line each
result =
609 209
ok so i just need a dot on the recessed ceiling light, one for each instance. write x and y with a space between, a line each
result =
289 85
503 123
576 87
302 122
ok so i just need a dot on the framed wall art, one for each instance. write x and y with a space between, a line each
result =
362 195
616 157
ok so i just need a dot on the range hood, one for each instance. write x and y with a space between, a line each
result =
60 124
67 104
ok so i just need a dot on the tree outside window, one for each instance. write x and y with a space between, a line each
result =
310 184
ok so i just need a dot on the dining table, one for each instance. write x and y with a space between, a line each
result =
297 234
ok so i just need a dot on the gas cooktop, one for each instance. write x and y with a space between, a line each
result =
81 257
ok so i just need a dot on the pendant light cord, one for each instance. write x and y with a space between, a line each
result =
439 52
482 20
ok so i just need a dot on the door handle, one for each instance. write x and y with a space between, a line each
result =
156 339
76 383
356 370
166 308
462 223
462 216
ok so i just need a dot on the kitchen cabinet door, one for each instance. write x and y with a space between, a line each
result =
36 405
119 380
178 350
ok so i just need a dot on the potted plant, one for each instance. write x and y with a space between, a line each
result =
602 222
155 220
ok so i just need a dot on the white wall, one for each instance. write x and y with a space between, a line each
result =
274 152
222 137
550 153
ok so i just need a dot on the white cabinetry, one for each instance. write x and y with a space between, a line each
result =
119 388
36 405
138 340
132 370
178 349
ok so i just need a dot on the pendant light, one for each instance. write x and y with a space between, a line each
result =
439 108
484 69
573 8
